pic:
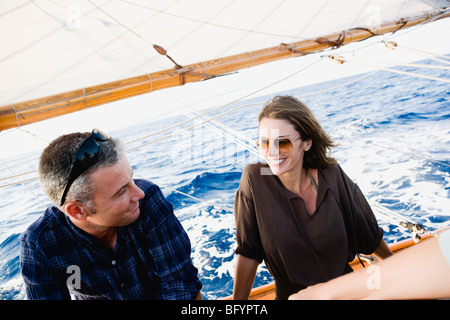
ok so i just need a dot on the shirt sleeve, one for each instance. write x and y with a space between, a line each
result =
40 281
361 222
368 234
247 231
170 248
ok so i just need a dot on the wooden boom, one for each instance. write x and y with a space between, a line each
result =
22 113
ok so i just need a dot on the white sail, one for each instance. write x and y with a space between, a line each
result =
54 46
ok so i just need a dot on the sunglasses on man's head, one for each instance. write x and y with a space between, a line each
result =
86 156
282 144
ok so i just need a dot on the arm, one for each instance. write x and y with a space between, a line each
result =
179 280
419 272
244 277
40 282
250 252
169 247
383 251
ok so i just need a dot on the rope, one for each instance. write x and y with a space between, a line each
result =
23 184
367 63
424 66
235 136
120 23
183 130
85 100
412 154
151 82
425 53
15 113
415 228
416 75
234 139
229 27
439 60
18 174
198 199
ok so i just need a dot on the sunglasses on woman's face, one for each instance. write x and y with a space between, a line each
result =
282 144
85 157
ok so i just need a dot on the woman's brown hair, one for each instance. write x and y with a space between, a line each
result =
304 121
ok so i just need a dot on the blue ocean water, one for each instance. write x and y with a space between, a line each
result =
393 133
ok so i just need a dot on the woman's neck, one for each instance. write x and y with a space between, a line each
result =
294 180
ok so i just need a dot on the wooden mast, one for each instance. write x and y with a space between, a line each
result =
22 113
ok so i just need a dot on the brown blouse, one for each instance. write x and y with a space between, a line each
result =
272 224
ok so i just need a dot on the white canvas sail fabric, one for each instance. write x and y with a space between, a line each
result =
52 46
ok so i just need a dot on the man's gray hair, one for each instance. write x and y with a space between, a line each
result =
56 161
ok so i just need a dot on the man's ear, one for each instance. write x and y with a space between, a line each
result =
76 210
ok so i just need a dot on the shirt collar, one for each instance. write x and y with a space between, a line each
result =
77 232
323 187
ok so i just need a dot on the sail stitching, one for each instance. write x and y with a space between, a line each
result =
15 113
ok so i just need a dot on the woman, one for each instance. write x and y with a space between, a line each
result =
300 213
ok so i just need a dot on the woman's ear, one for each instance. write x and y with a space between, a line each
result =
76 210
307 144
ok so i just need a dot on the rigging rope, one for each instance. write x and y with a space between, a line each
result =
341 60
229 132
228 27
199 200
415 228
22 182
425 53
120 23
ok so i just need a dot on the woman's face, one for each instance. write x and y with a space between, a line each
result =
281 146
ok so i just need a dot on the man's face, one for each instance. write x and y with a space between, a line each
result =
116 197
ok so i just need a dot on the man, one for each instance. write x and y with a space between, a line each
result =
108 236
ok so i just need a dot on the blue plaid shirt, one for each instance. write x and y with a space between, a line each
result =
151 261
